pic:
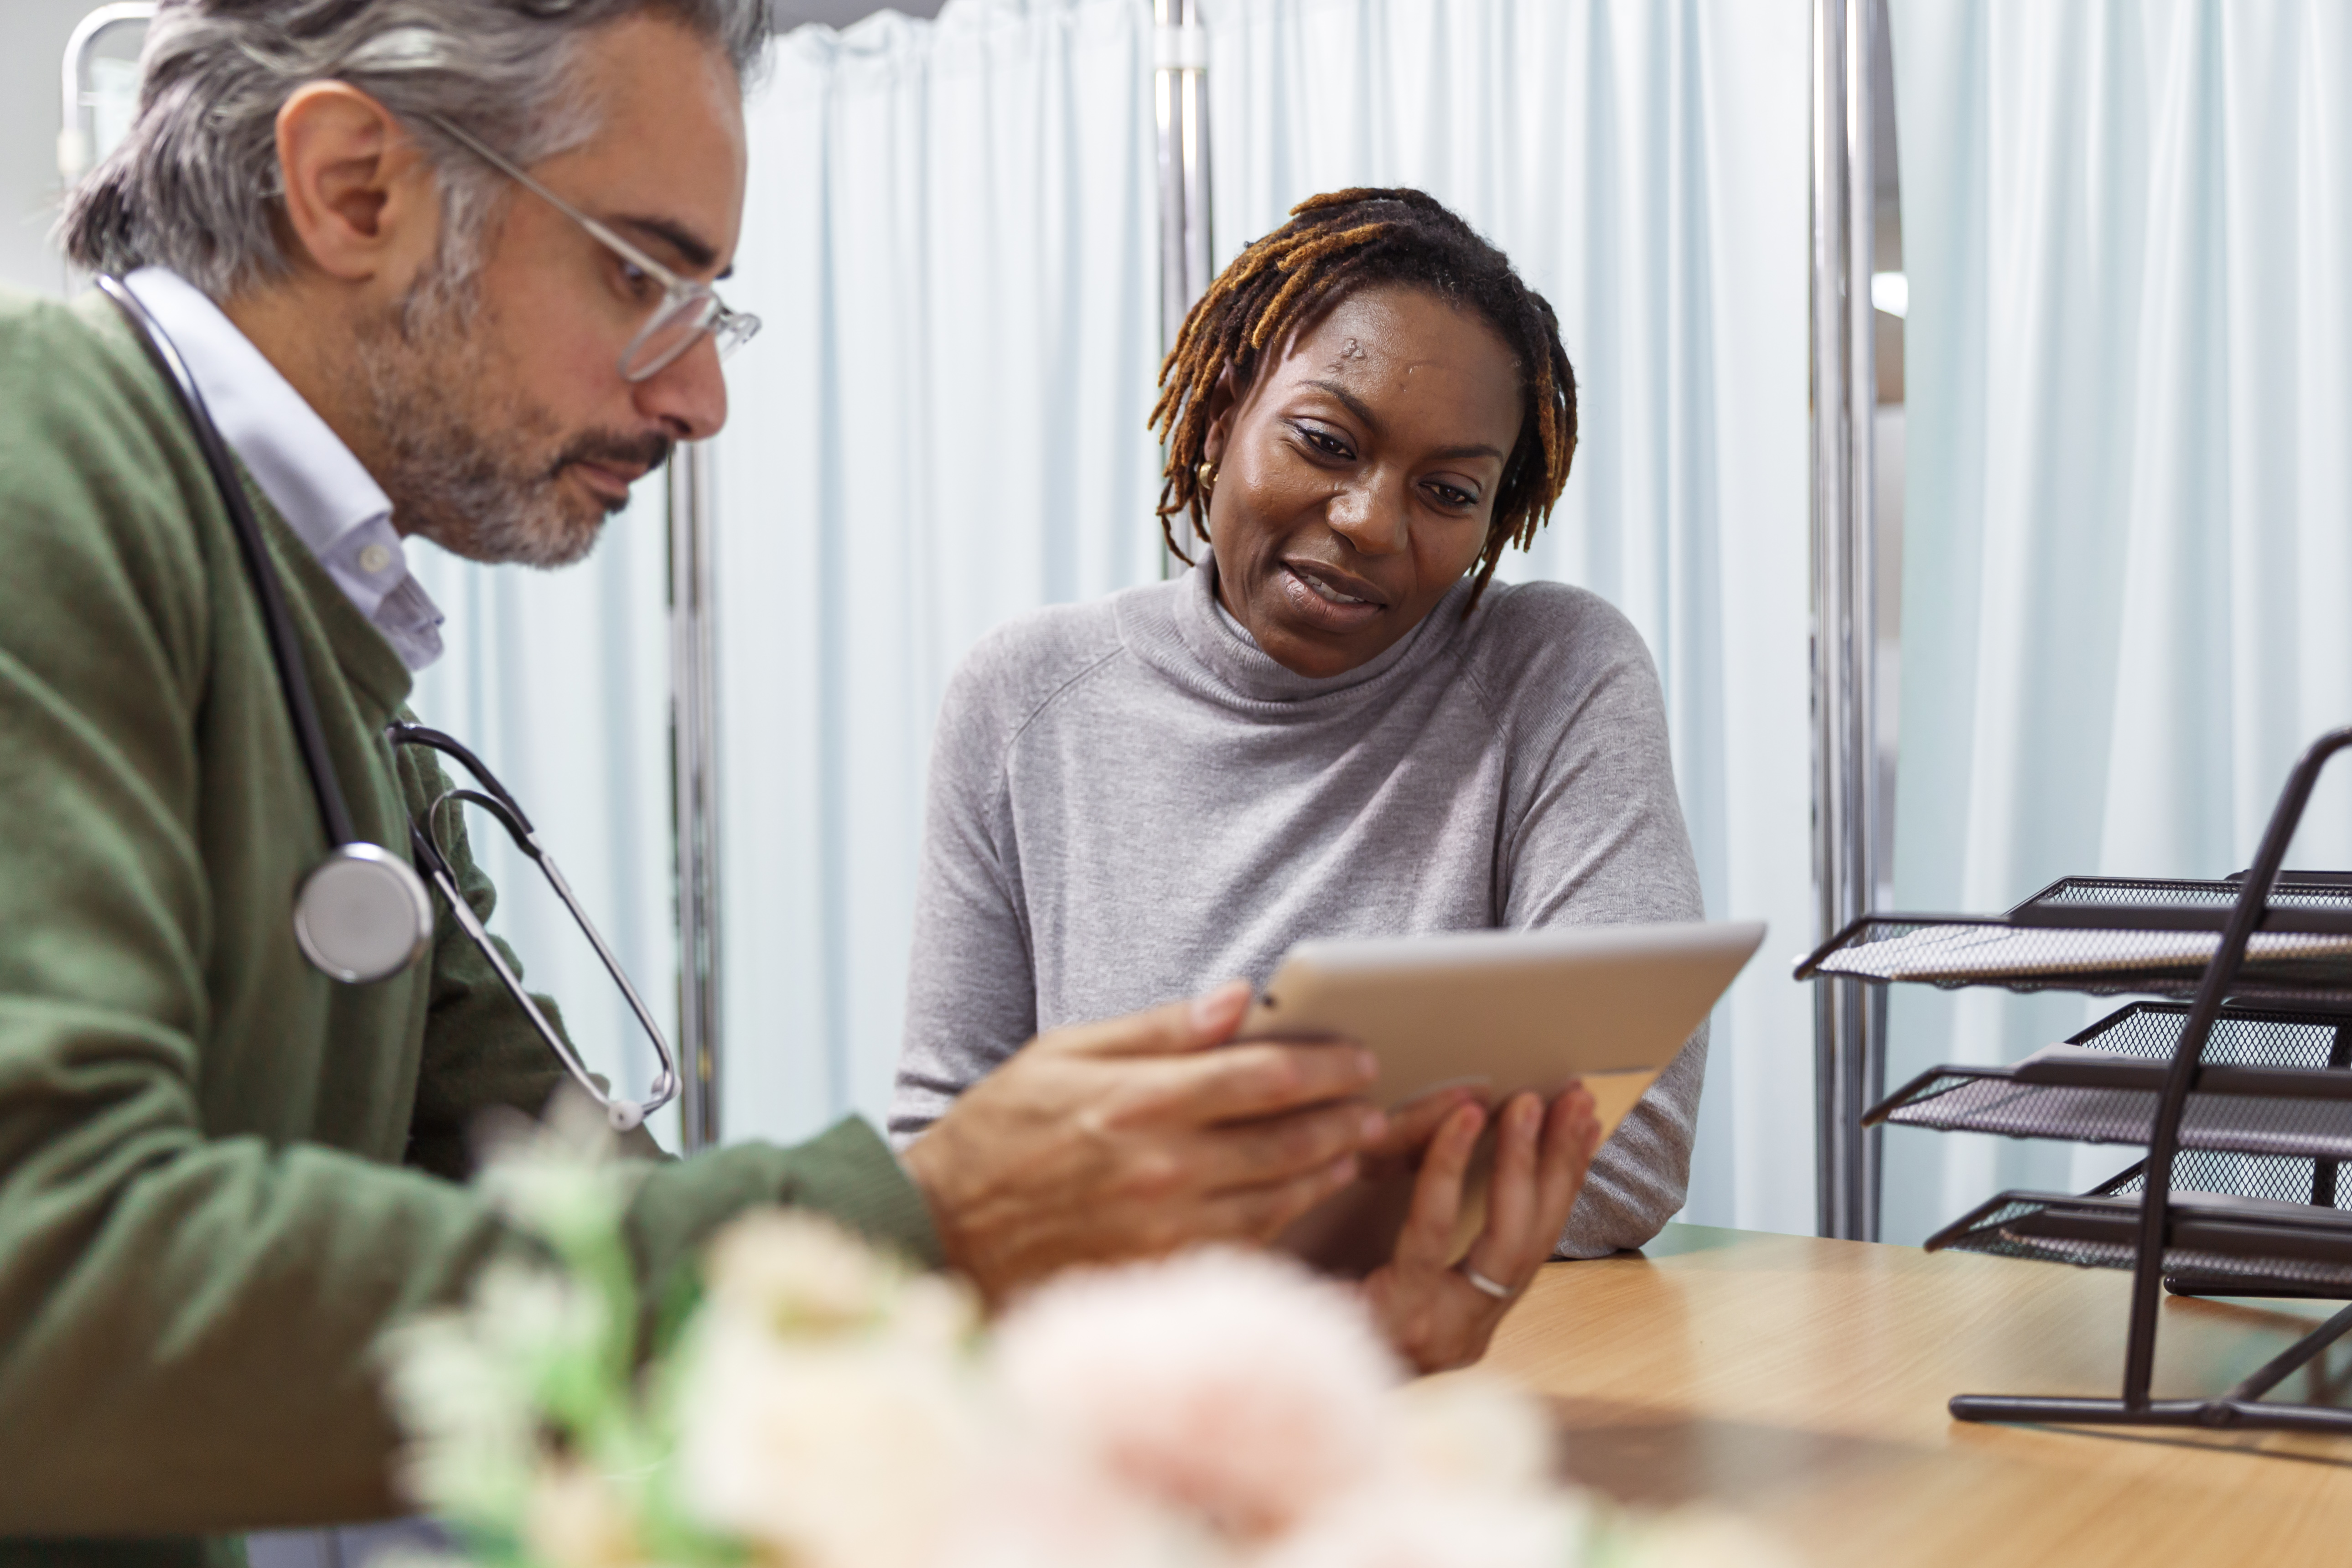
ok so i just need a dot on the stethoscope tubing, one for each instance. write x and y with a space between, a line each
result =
293 671
326 787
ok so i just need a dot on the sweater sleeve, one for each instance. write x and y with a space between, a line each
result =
187 1317
972 998
1596 837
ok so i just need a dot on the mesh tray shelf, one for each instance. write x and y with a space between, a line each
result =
2318 902
2113 936
2271 1084
2260 1242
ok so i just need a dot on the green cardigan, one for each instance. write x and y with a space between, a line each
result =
222 1174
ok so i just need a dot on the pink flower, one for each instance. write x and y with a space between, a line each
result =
1032 1512
1410 1526
1232 1385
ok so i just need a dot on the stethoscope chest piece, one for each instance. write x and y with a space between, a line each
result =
363 915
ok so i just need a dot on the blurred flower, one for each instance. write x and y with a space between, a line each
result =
1471 1429
848 1452
1029 1511
560 1178
799 1274
577 1519
1412 1526
830 1407
1227 1383
472 1387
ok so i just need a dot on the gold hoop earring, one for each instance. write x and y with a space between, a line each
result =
1206 472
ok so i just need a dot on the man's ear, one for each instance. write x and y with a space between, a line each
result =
362 203
1223 398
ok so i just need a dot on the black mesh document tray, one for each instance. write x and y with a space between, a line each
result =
2242 1099
2270 1083
2113 936
2215 1237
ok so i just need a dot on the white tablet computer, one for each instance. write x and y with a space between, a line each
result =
1501 1012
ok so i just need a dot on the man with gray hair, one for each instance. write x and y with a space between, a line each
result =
441 268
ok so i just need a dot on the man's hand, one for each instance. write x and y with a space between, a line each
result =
1129 1138
1431 1312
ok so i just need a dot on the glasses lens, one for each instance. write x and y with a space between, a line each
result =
554 957
673 329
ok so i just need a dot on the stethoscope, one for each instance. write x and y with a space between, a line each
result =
363 915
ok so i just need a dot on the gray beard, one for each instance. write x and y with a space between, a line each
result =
475 474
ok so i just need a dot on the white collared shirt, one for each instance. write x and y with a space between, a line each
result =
332 503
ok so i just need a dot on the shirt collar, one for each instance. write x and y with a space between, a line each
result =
329 501
300 464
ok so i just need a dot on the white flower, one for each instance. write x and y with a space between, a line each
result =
801 1274
1231 1384
842 1451
1434 1527
559 1179
470 1424
470 1387
1030 1511
578 1518
1473 1430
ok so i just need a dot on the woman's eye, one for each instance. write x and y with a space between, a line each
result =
1323 441
1452 496
634 279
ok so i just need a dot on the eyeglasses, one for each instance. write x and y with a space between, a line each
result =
426 838
688 308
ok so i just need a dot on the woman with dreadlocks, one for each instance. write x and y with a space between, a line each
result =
1335 724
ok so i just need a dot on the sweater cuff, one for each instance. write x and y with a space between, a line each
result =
846 1173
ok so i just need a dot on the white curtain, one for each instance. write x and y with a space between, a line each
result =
559 682
2127 227
1644 164
952 237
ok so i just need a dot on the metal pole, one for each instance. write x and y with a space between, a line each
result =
1848 1050
1180 89
77 146
694 793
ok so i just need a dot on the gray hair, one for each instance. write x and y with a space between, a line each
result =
194 186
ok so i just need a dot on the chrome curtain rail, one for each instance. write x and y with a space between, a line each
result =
77 143
1849 1053
1179 79
694 792
1180 85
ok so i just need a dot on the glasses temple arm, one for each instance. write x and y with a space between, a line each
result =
514 172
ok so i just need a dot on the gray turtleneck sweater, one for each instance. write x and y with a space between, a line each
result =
1130 802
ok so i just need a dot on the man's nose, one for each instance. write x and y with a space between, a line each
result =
1372 515
689 395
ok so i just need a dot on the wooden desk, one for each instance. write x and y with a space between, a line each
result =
1800 1383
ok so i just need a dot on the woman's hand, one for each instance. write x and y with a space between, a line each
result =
1433 1313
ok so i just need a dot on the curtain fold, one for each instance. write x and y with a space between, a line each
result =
2128 512
1645 166
951 235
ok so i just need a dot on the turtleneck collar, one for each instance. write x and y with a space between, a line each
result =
1186 633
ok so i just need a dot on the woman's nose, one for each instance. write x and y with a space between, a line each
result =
1370 515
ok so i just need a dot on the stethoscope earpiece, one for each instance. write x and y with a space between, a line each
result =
363 914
